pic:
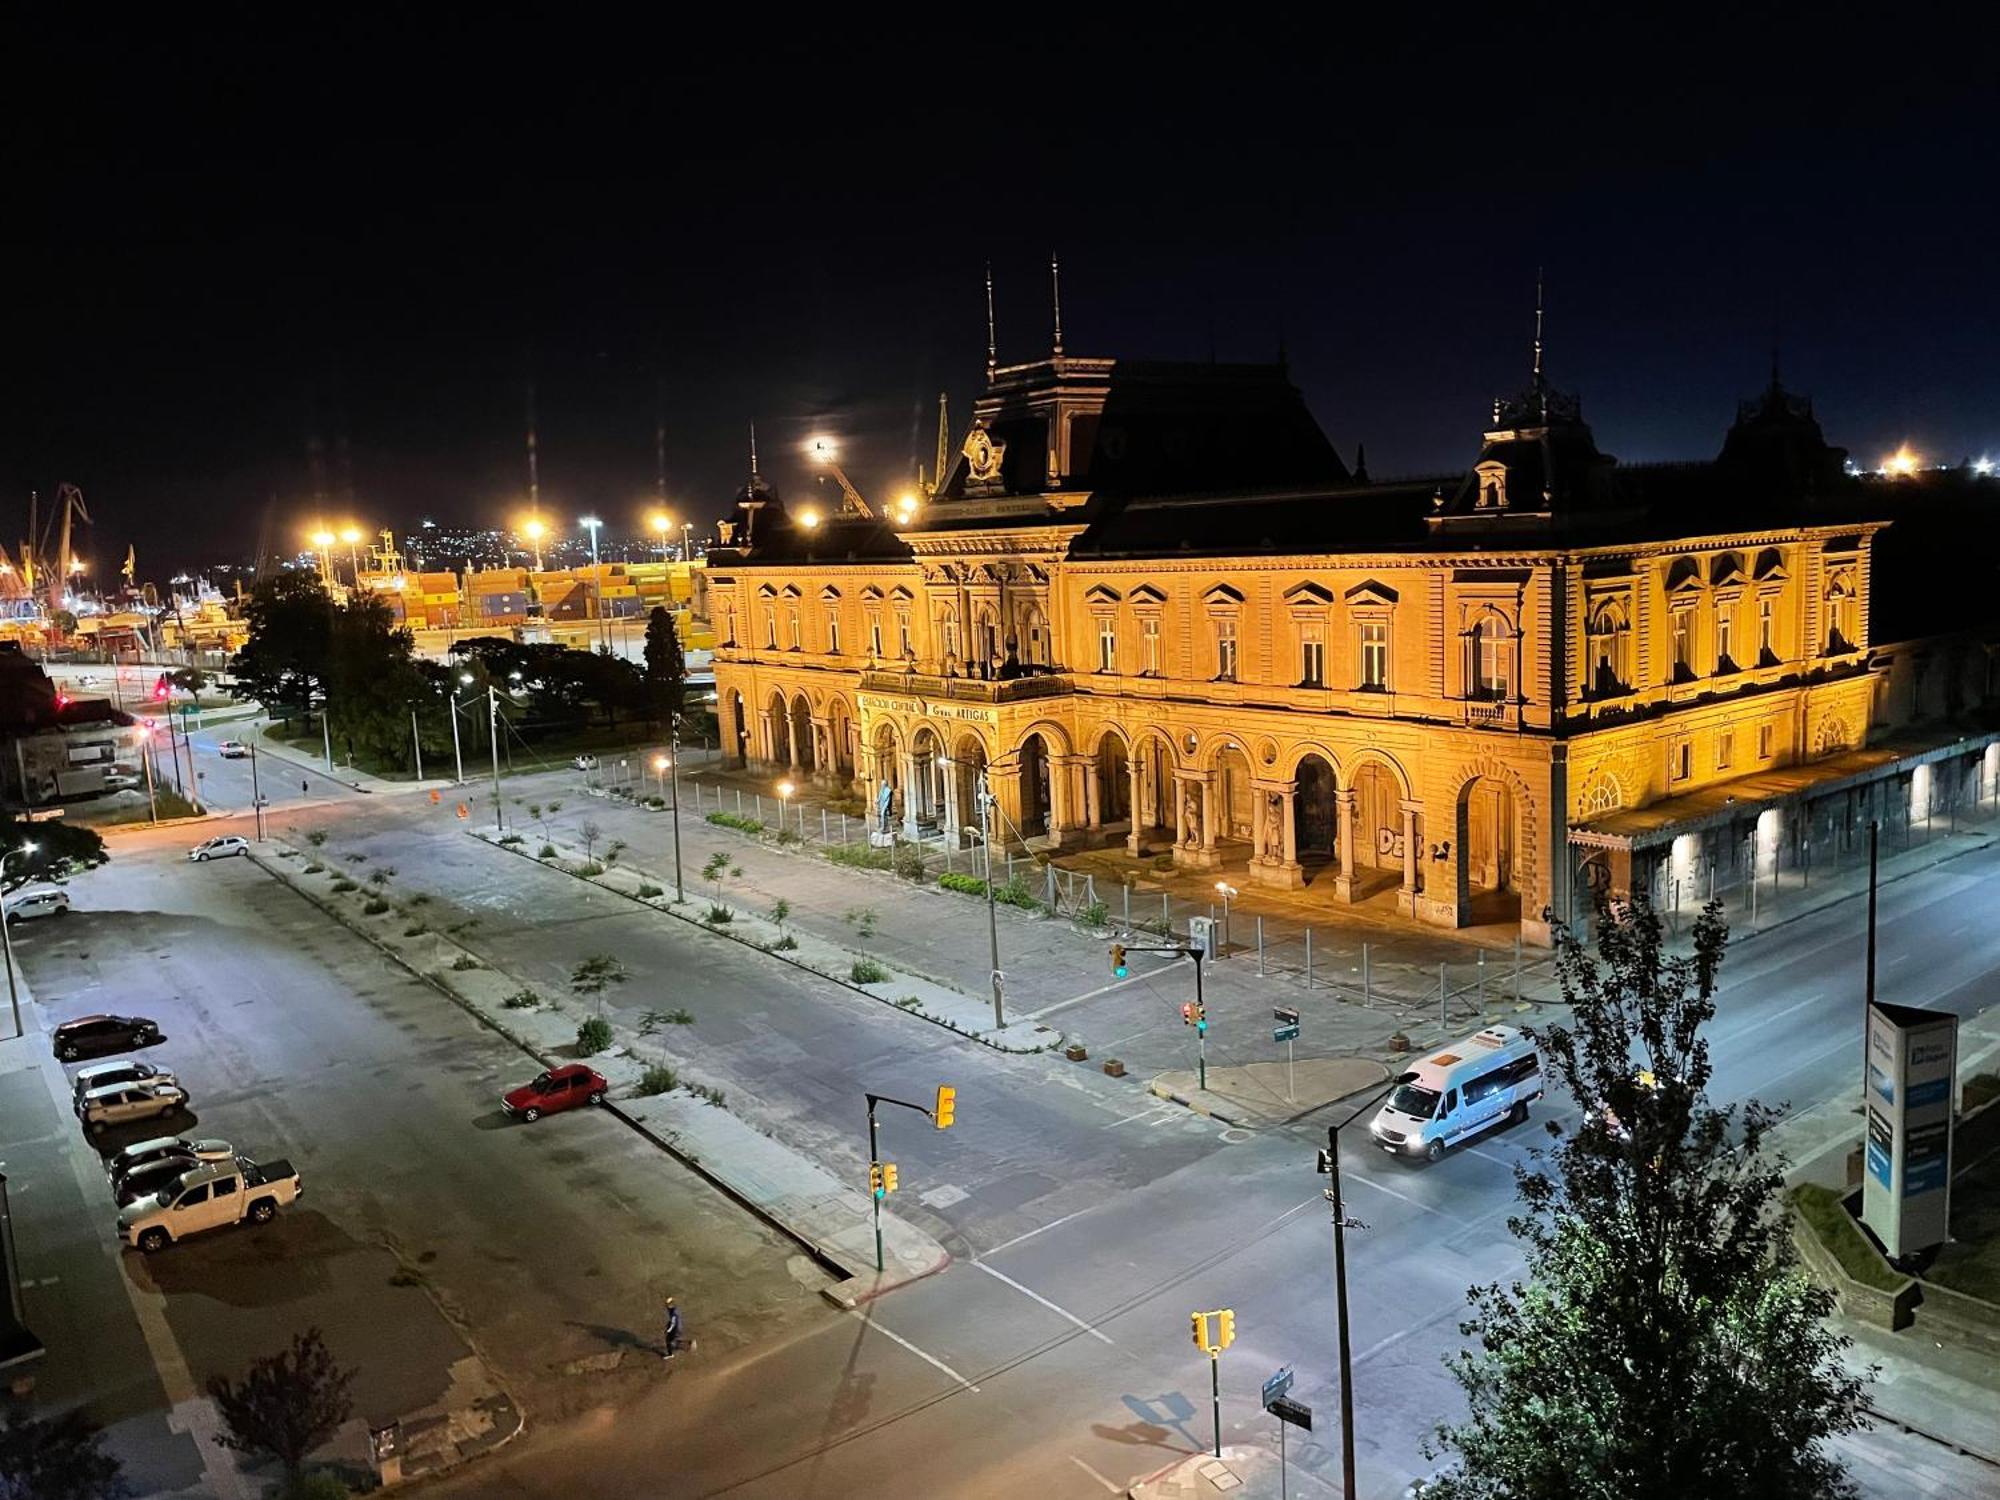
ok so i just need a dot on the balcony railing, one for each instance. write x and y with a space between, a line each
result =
967 689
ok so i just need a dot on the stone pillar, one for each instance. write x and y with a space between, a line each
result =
1276 862
792 740
1135 788
1343 877
1004 781
912 788
730 728
1413 853
954 815
1093 796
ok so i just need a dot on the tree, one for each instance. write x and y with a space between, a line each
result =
666 666
188 679
372 680
62 849
287 1405
57 1458
283 665
1664 1341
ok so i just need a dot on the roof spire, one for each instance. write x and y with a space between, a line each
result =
992 343
755 477
1055 289
1538 328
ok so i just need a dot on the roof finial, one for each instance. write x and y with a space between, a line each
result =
754 475
1055 289
992 342
1538 328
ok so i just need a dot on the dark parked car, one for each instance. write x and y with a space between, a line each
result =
559 1088
96 1036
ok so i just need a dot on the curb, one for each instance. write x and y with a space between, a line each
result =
785 958
1928 1436
1160 1091
884 1284
798 1237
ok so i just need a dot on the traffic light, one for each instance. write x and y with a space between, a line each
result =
875 1178
1200 1321
1187 1014
162 690
947 1107
888 1178
1227 1318
1118 964
1194 1013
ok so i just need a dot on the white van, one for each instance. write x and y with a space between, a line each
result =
1459 1092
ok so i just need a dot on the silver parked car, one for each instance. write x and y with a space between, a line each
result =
164 1148
220 848
103 1075
124 1103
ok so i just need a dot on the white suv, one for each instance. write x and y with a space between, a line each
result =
122 1103
36 901
104 1075
220 848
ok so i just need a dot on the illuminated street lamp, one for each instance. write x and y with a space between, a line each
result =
7 938
906 508
458 759
1228 893
785 790
596 579
662 523
809 518
534 531
687 540
352 536
322 540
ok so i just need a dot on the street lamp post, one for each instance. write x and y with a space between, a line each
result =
674 765
1228 893
7 938
256 795
322 541
596 578
992 900
352 536
1341 1224
687 540
662 523
534 531
785 790
457 756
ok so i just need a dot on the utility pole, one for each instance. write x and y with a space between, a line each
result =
256 795
326 736
674 766
1329 1165
992 913
493 733
457 755
417 744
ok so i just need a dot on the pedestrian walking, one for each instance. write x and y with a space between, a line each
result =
673 1340
305 788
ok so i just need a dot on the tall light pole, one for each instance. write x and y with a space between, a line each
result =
493 727
992 901
1330 1165
784 803
323 541
534 531
352 536
458 759
256 794
673 764
7 937
662 523
596 579
687 540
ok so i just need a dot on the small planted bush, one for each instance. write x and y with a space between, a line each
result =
648 891
315 868
908 862
547 851
737 821
416 929
859 856
595 972
344 885
785 944
523 999
593 1036
316 837
510 840
965 885
464 963
1016 893
375 907
1095 914
719 915
867 971
658 1079
588 869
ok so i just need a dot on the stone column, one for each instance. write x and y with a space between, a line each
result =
1093 796
1134 789
912 789
1343 878
1060 772
954 815
1413 853
792 740
730 728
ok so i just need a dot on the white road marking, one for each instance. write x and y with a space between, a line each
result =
1010 1244
1034 1296
1116 1489
928 1359
1105 989
1382 1187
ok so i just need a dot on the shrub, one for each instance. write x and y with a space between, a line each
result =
718 915
344 885
737 821
909 1002
416 929
658 1079
509 840
523 999
785 944
464 963
617 847
355 859
786 837
965 885
1095 914
315 868
680 1015
375 907
588 869
907 860
1016 893
316 837
703 1092
648 891
859 856
384 875
656 803
867 971
593 1036
547 851
595 972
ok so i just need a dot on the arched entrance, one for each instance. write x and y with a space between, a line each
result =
841 734
1378 829
739 731
927 787
1489 847
888 768
1114 780
968 764
804 754
1035 799
1235 802
1315 819
777 731
1152 768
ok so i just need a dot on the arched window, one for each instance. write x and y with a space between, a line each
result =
947 631
1610 646
1490 657
1842 612
1602 796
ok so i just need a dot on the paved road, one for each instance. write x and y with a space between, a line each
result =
543 1245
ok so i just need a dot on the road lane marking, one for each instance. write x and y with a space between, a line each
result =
928 1359
1010 1244
1034 1296
1115 1488
1382 1187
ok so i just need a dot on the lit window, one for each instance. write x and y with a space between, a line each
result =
1680 760
903 634
1683 645
771 629
1725 749
1149 646
1491 657
1725 635
948 633
1767 629
833 632
792 621
1312 654
1107 644
875 635
1375 655
1765 737
1225 650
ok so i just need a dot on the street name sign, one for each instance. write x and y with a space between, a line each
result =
1285 1015
1285 1409
1285 1033
1277 1385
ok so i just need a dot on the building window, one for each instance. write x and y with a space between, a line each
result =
771 628
792 623
875 636
903 648
1225 650
1765 736
1725 749
1609 637
833 632
1038 637
1680 760
1725 637
1312 654
1767 631
948 632
1373 639
1491 657
1840 616
986 638
1149 646
1107 644
1683 647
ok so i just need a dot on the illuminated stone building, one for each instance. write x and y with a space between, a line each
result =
1152 606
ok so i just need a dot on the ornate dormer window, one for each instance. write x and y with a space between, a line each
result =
1491 478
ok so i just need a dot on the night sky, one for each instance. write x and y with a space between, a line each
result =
226 240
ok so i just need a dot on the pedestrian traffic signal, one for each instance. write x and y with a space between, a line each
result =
947 1107
888 1178
875 1178
1118 965
1194 1013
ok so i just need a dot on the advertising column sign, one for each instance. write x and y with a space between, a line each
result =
1906 1177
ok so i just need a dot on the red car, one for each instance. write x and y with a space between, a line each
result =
559 1088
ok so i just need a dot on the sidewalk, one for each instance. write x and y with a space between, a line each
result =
1242 1473
315 762
1949 1395
831 1220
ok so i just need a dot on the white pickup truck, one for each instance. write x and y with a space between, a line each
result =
209 1196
